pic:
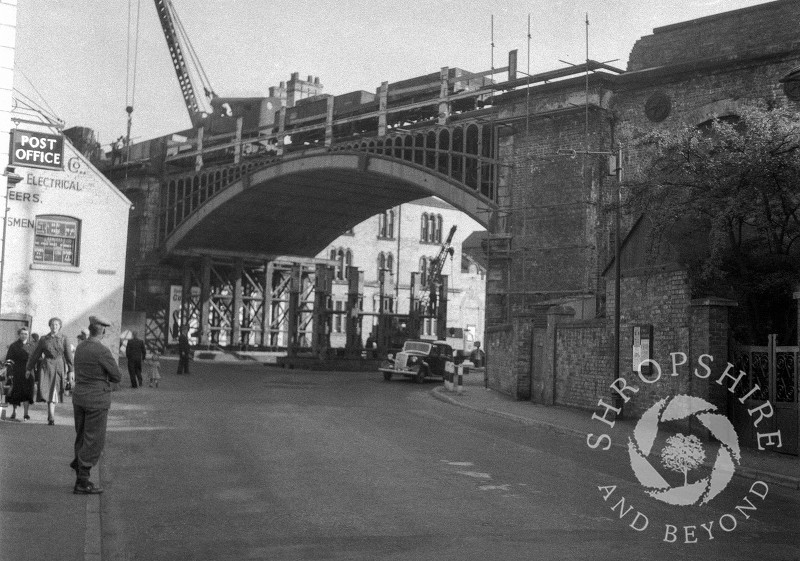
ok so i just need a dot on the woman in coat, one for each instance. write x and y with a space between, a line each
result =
57 364
22 390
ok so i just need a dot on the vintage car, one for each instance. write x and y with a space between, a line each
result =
420 360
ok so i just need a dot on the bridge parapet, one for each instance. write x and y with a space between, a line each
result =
464 154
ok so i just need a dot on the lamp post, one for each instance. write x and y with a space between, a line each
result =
12 179
614 168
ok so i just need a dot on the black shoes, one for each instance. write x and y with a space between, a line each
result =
86 488
27 417
51 421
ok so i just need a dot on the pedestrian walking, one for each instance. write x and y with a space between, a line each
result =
23 381
56 365
135 353
477 356
153 368
184 352
95 371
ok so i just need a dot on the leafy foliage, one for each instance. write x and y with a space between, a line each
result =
683 453
726 195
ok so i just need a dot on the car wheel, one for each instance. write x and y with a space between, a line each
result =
387 376
420 377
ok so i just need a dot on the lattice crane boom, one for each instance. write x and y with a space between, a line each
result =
165 11
429 300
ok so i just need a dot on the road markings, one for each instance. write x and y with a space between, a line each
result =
503 487
475 474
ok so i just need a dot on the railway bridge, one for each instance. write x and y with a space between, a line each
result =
235 214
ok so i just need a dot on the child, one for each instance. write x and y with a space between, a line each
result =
153 368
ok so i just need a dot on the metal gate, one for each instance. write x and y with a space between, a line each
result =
773 370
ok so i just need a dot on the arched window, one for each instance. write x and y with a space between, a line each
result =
423 237
390 263
390 225
348 261
382 225
431 228
423 270
340 274
439 228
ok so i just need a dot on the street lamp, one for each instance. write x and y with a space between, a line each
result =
12 178
614 168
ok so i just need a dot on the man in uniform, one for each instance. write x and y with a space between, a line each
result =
95 371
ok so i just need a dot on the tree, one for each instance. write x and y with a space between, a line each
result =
727 195
683 453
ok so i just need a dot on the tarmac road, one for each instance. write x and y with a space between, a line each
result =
242 461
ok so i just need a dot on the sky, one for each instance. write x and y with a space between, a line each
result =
76 57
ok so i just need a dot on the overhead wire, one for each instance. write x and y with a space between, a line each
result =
49 112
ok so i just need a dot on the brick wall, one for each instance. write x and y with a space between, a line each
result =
560 219
769 27
584 360
501 358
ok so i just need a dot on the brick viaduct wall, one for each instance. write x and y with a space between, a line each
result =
559 228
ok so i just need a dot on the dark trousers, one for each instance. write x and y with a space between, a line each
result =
90 436
135 371
183 364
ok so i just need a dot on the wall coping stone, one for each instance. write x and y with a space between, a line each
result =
713 301
584 323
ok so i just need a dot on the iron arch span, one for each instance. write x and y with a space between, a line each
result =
297 206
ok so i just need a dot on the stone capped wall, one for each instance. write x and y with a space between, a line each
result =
770 27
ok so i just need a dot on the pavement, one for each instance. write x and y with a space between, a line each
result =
40 517
770 467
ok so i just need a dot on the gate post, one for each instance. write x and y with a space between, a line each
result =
708 334
353 324
236 303
205 300
294 301
323 286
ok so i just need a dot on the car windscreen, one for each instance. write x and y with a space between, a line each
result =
417 347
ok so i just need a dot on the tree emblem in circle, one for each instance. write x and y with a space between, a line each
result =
683 453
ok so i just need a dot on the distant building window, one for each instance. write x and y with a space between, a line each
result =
386 224
381 265
423 271
424 228
337 318
56 240
438 228
390 263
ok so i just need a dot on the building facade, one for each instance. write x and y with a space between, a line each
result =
404 240
550 293
66 233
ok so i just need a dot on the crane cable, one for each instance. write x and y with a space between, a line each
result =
196 65
131 71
